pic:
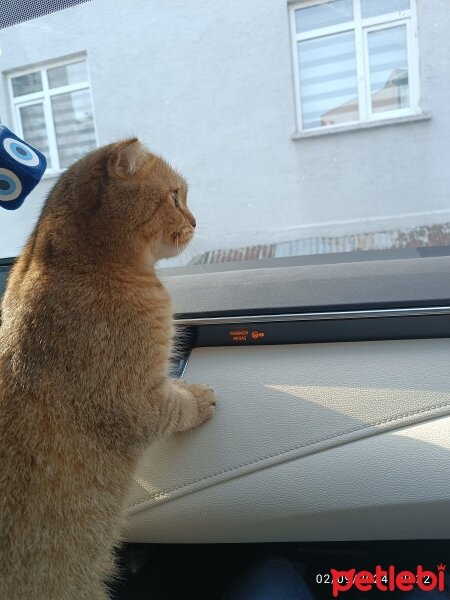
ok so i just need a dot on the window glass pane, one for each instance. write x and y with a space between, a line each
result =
323 15
388 61
67 74
373 8
34 129
74 125
328 83
332 193
27 84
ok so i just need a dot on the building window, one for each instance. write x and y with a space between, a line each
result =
52 110
355 61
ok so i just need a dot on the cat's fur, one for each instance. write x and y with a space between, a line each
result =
85 342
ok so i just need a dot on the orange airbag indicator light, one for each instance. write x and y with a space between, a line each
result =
257 335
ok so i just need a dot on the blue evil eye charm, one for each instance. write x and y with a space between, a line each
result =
21 168
10 186
22 153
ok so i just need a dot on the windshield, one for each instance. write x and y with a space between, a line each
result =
303 127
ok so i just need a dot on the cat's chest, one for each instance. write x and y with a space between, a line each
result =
153 310
155 300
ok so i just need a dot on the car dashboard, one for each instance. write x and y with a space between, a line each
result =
333 415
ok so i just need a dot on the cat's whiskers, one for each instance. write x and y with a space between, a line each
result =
178 249
192 253
196 246
187 254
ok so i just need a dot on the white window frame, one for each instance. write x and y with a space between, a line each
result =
361 28
44 97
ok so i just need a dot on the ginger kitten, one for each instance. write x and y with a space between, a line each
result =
85 343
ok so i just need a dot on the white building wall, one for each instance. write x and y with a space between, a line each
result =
209 86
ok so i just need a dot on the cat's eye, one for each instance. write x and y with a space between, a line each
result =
175 199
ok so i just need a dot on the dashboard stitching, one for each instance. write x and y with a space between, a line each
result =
291 449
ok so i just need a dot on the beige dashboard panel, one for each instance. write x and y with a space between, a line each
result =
309 442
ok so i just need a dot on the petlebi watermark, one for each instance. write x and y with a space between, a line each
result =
385 579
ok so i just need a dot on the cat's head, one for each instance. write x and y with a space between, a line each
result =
126 200
159 197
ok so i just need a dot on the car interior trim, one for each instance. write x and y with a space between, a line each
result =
315 316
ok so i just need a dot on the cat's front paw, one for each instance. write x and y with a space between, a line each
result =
206 400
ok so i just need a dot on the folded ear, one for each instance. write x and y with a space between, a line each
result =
126 157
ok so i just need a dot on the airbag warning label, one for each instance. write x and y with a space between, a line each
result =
242 335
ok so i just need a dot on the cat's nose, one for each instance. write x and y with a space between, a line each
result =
192 221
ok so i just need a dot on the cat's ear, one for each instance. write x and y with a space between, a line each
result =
126 157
